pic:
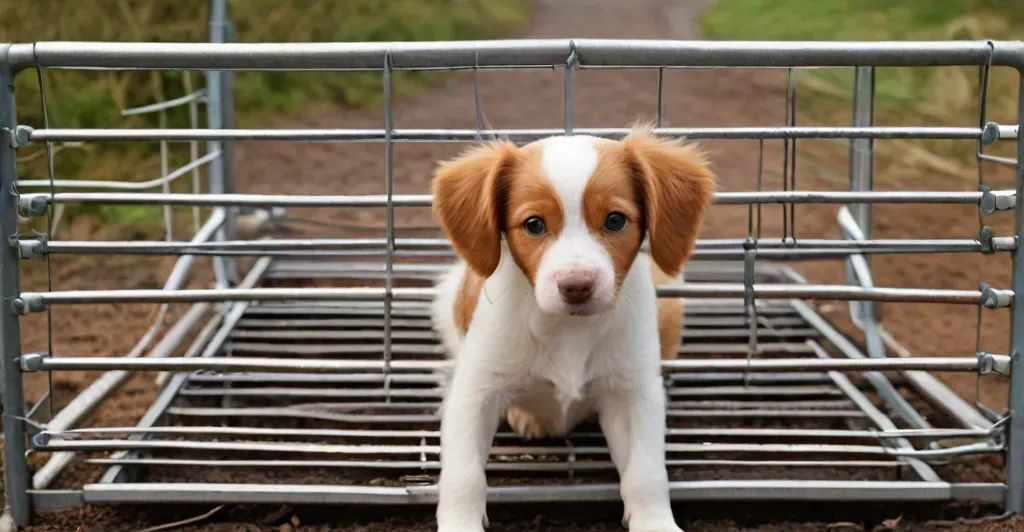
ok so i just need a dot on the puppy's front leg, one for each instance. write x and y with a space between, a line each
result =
633 421
468 422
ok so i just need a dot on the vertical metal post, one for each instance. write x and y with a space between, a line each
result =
223 266
1015 445
16 475
227 112
389 221
861 150
862 172
570 70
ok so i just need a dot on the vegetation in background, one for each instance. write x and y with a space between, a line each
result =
89 99
905 96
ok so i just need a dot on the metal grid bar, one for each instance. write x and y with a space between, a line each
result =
71 363
39 200
714 250
31 301
510 53
1007 132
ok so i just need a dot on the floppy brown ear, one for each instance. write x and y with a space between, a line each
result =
676 186
468 194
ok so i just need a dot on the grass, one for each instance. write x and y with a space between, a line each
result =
905 96
83 99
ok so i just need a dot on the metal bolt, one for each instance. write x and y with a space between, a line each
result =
32 205
990 133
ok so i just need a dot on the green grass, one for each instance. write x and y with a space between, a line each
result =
84 99
904 95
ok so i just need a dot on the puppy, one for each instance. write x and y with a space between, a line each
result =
551 315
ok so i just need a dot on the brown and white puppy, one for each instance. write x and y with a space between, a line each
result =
551 316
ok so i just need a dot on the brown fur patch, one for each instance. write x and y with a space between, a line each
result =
531 194
465 303
670 316
677 187
610 189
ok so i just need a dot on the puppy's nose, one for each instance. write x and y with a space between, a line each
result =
576 289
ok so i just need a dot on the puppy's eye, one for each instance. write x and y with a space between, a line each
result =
615 222
535 226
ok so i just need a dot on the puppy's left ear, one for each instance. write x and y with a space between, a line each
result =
676 189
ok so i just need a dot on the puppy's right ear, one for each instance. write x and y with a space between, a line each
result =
469 195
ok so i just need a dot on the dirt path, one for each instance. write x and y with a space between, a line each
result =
534 99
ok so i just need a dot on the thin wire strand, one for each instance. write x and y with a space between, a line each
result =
983 73
50 216
790 172
193 146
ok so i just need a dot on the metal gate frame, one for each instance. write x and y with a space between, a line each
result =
569 55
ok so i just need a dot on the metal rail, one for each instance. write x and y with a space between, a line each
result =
509 53
37 301
516 135
33 362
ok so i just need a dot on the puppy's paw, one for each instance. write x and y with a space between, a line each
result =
525 423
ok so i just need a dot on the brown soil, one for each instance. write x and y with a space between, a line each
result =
514 99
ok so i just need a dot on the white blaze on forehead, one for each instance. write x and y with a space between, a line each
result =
568 163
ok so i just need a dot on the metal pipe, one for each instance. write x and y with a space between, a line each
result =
33 301
509 53
701 490
705 249
43 363
931 434
1014 465
212 134
434 465
16 474
40 200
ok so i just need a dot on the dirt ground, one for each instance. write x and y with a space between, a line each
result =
534 99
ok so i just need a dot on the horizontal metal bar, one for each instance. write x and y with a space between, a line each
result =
430 336
67 363
509 53
717 249
424 200
435 465
693 323
703 432
164 105
33 301
95 445
997 159
516 135
55 499
432 393
764 490
410 413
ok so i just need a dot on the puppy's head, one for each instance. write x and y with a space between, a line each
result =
574 211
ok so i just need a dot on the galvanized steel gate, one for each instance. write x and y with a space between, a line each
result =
341 380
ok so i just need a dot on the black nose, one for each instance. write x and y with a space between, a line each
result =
576 291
